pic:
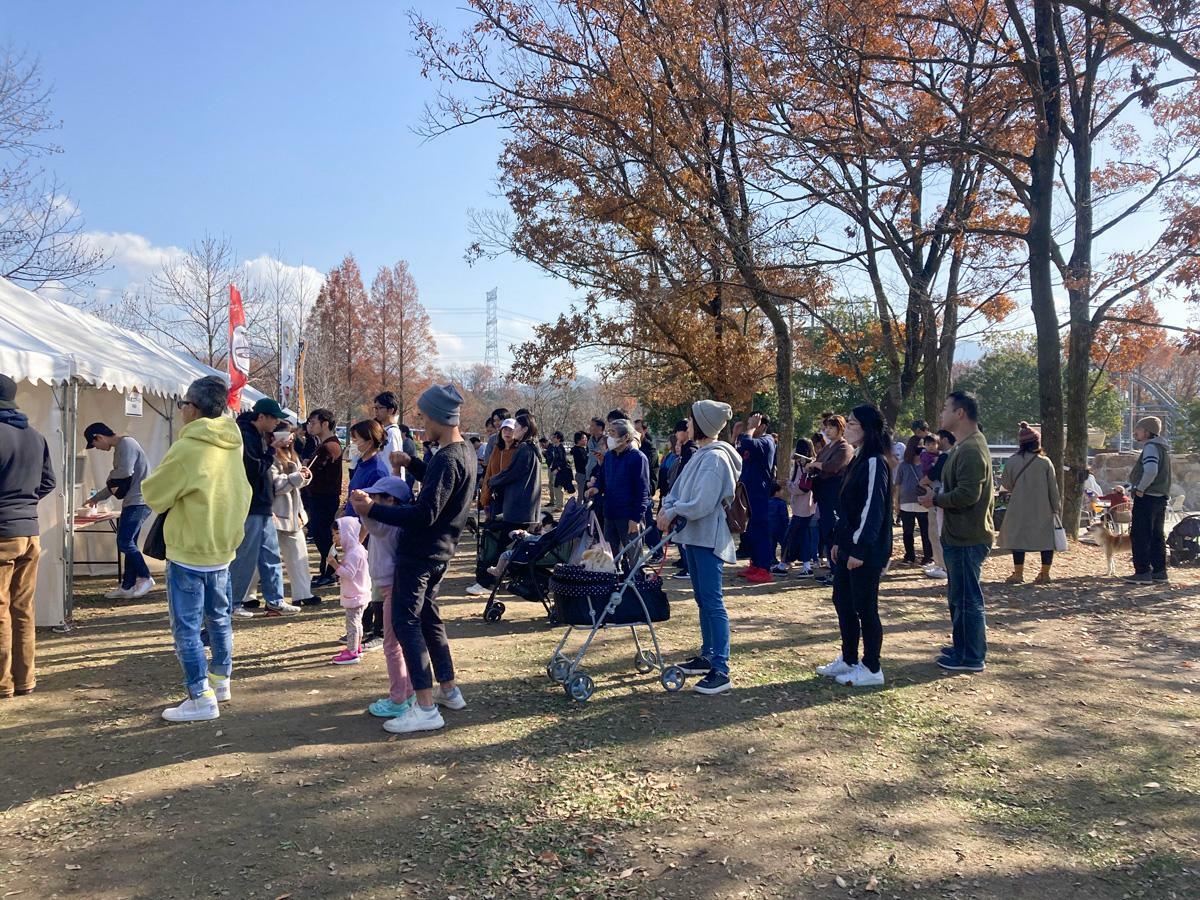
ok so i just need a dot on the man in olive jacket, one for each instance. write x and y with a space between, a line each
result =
967 533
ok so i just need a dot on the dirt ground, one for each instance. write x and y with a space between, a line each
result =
1070 769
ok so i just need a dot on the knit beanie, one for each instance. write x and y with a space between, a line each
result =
1152 424
1028 436
711 416
441 403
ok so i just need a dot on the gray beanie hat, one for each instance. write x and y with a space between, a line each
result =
441 403
711 416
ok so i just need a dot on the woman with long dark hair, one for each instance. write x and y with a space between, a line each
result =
912 514
862 545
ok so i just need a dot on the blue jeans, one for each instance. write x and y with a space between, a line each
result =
195 599
260 547
706 569
967 620
128 529
801 542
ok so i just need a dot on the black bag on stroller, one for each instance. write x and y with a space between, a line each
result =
580 597
1184 541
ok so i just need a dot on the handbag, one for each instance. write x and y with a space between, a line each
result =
119 487
1060 535
155 545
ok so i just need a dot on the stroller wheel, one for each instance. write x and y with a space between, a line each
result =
494 612
673 679
559 669
645 662
580 687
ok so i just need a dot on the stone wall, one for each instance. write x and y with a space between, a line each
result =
1113 468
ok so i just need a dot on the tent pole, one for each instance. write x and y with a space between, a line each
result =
71 447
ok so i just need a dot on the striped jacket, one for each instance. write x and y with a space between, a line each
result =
864 527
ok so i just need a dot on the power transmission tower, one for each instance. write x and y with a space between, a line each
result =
491 351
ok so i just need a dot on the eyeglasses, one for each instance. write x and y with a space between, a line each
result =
180 404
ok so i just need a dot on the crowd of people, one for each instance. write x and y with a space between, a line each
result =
239 499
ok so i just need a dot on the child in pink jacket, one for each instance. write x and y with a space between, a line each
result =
355 578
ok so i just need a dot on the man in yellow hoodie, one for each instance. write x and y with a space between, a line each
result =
201 486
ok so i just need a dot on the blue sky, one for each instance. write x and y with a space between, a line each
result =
288 127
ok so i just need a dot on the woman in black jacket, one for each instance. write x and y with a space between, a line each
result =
520 485
862 545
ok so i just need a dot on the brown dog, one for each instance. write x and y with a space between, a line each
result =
1112 544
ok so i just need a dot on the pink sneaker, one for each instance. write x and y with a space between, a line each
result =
347 657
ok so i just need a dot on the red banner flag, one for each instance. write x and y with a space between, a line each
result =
239 350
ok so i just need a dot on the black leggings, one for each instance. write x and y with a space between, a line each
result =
322 510
856 599
372 622
1019 557
910 520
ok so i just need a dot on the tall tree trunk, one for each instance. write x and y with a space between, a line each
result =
1040 236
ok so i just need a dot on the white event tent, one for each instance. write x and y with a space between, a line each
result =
72 369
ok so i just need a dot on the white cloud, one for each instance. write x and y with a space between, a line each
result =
448 343
132 253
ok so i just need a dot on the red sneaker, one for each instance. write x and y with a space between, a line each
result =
745 571
760 576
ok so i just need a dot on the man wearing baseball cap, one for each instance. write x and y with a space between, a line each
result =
260 545
124 482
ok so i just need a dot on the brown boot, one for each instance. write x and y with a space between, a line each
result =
1017 577
1043 577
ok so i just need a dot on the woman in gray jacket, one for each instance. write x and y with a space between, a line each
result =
698 498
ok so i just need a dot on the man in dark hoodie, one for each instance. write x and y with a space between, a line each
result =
26 476
260 546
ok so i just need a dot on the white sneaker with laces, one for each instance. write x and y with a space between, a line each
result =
416 719
220 686
861 676
282 608
838 667
477 590
450 701
119 593
194 709
241 612
935 572
142 587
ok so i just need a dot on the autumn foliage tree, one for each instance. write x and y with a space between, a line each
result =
398 340
337 359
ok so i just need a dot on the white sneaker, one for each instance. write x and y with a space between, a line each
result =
282 608
478 590
194 709
142 587
220 686
415 719
835 668
450 701
242 612
119 593
935 572
861 676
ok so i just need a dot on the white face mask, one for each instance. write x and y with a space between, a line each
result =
613 443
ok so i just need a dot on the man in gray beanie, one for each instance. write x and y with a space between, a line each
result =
1151 483
432 528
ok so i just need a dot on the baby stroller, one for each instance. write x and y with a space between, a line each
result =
593 600
1184 541
529 569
